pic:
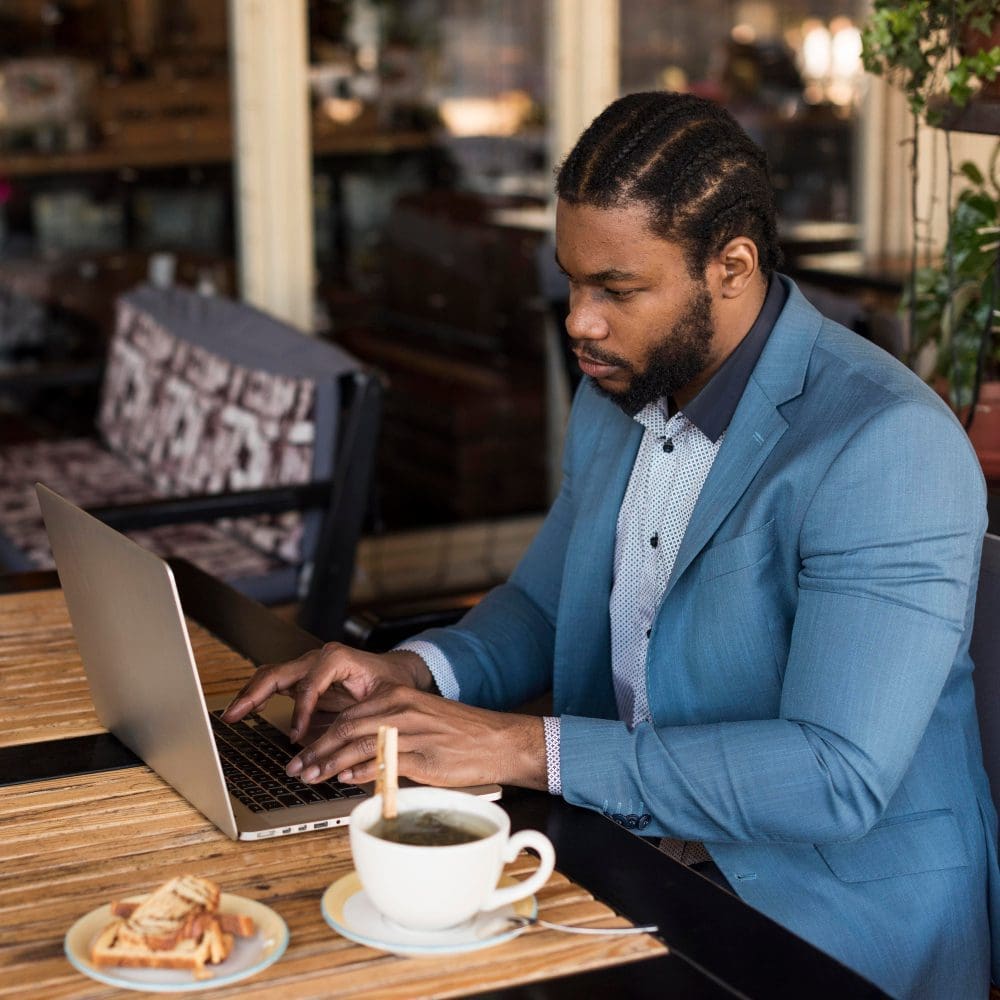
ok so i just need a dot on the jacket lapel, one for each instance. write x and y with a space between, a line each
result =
757 424
582 683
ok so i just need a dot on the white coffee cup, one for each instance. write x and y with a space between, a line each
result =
433 887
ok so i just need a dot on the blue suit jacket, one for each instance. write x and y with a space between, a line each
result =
808 673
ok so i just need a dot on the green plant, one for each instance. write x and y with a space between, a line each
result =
955 304
917 46
940 52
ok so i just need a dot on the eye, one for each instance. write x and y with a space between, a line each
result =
620 294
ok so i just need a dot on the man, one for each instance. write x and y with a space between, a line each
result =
751 599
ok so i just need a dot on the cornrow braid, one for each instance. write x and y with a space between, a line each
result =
700 175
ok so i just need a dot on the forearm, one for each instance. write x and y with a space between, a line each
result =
500 655
738 782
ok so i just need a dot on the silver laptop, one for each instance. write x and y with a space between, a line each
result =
133 640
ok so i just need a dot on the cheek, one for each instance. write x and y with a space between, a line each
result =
642 332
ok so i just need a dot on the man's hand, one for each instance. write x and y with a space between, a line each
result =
329 679
441 742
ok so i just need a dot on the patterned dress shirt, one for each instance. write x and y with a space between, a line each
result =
674 459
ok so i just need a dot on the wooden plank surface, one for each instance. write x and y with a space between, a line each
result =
43 692
71 844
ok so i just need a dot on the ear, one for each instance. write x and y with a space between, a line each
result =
735 267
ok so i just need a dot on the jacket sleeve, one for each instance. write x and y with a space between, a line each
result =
888 553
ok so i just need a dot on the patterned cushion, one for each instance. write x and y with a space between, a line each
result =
191 421
84 471
201 395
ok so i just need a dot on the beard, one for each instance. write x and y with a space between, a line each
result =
676 358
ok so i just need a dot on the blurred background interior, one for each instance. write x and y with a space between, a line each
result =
405 215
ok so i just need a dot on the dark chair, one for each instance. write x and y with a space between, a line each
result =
985 649
378 629
224 437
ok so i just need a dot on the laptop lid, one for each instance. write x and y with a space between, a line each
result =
133 640
136 653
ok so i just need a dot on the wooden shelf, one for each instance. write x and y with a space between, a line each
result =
979 115
194 153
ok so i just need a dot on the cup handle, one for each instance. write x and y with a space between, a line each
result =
536 841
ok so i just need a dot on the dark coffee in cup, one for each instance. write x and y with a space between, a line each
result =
433 828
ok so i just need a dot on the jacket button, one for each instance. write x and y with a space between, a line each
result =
644 820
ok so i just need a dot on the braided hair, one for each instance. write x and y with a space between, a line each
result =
688 160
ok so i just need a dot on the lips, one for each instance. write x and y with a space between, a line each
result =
595 369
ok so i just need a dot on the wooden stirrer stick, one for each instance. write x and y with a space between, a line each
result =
387 769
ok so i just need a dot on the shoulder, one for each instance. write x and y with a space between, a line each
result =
849 380
868 385
862 415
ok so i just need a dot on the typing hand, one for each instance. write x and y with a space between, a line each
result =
329 679
441 742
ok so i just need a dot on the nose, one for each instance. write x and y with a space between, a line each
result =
584 320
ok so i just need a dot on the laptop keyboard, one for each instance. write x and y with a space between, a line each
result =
254 755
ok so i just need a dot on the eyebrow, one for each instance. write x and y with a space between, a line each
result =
599 277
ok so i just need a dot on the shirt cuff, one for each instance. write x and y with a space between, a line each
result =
552 768
437 663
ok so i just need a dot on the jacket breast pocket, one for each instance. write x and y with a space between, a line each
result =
904 845
737 553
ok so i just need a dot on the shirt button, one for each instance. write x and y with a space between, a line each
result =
668 446
655 540
649 632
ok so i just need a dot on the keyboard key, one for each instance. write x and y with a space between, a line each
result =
254 755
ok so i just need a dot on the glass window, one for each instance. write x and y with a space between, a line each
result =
790 72
428 122
418 95
115 144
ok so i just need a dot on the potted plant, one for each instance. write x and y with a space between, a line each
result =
943 54
933 48
954 305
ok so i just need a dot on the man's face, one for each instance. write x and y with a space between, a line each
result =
642 327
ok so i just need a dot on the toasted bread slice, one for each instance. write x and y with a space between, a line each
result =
176 927
239 924
213 946
171 914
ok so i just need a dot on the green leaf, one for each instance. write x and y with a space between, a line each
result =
973 173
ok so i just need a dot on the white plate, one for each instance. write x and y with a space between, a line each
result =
248 957
349 911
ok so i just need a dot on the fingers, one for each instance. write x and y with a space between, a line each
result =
440 742
321 761
346 742
328 667
410 765
350 740
266 681
308 677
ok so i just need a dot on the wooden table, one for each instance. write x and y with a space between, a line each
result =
82 822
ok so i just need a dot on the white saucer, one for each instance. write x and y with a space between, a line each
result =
349 911
248 957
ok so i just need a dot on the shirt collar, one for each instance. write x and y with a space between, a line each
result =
713 408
